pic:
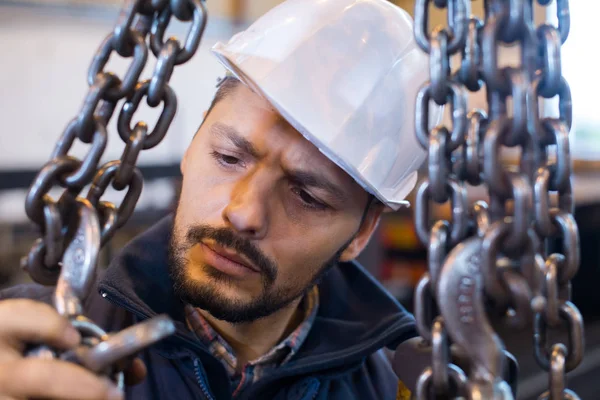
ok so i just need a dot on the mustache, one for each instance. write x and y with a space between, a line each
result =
227 238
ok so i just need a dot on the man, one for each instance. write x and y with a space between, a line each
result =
283 186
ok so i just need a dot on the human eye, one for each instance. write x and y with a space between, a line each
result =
308 201
226 160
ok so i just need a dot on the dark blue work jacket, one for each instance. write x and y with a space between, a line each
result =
340 359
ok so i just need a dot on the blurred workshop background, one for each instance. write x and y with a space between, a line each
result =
46 47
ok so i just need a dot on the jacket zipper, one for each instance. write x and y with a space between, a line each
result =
314 396
201 382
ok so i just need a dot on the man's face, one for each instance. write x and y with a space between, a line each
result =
262 213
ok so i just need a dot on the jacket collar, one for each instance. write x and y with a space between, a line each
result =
351 301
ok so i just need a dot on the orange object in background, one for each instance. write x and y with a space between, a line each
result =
404 258
399 233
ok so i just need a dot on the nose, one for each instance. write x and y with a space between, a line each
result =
247 209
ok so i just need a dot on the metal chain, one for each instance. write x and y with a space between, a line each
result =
441 186
75 228
500 258
141 25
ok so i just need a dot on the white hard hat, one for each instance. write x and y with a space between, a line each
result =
345 74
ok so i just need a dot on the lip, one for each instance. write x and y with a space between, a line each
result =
227 262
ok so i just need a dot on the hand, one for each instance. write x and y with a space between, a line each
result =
135 372
25 322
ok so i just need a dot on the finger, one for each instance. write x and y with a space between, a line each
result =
10 352
36 378
27 321
135 373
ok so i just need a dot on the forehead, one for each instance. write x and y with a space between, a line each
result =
256 120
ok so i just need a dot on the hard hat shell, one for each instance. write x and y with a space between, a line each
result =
345 74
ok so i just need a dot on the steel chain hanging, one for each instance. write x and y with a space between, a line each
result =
74 228
515 256
141 24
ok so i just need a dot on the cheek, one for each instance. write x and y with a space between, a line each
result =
301 253
203 193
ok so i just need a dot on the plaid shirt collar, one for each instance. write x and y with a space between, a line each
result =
277 356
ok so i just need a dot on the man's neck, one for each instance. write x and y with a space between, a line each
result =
252 340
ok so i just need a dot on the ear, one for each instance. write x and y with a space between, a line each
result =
364 234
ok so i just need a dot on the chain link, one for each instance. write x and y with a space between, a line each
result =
527 237
442 377
194 34
164 120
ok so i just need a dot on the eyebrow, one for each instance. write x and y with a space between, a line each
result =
303 178
309 179
229 133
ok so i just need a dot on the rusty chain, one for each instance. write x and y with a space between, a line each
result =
515 255
74 228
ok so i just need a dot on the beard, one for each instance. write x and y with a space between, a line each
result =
207 296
